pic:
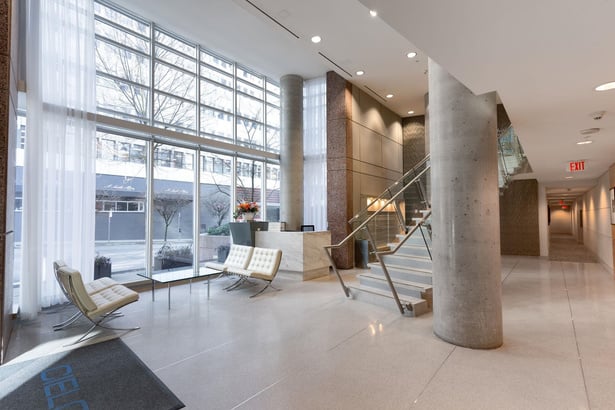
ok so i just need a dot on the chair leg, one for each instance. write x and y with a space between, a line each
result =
263 289
236 284
99 323
67 322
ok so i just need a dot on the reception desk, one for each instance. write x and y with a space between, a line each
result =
302 252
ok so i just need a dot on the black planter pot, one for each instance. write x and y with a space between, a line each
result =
102 270
223 252
171 263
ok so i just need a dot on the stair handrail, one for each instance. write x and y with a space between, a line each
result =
418 225
388 190
328 248
385 270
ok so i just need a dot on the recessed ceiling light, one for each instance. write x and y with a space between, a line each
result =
584 142
411 54
605 86
588 131
390 95
360 72
316 39
373 13
410 112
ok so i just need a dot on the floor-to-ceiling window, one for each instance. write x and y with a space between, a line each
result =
182 134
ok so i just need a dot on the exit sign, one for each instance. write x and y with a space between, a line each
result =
575 166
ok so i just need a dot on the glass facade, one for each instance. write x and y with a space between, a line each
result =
164 184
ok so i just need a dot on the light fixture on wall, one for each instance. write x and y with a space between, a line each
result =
374 205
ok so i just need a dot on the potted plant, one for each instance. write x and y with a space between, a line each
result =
169 257
246 210
222 252
102 267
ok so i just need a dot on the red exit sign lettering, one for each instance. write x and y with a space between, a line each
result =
575 166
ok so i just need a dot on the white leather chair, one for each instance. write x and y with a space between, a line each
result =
98 306
91 287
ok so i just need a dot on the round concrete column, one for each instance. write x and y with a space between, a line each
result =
291 151
467 299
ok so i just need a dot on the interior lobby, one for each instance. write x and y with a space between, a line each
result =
523 289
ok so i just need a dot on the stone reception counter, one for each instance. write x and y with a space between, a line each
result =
302 252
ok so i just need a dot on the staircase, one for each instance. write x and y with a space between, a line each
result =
402 272
409 268
512 160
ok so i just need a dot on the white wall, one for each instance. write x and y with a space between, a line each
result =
543 221
597 221
561 221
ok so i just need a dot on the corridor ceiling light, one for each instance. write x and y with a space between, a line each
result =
316 39
360 72
411 54
584 142
410 112
390 95
588 131
606 86
373 13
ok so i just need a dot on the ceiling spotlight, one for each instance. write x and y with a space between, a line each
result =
588 131
316 39
605 86
360 72
373 13
597 115
390 96
584 142
410 112
411 54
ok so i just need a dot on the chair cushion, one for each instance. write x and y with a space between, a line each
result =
238 257
107 300
99 284
264 263
73 283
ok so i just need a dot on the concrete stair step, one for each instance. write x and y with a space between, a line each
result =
411 250
416 239
411 262
403 287
403 273
385 299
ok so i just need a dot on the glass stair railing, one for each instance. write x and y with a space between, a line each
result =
396 226
383 220
512 159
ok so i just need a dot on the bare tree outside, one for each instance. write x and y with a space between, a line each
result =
218 206
168 204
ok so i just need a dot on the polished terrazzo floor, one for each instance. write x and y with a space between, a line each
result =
308 347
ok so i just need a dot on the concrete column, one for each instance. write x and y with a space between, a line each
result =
291 151
466 243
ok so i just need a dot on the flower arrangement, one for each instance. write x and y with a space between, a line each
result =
245 207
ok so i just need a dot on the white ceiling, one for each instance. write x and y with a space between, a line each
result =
543 58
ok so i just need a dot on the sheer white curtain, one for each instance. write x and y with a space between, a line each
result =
59 163
315 152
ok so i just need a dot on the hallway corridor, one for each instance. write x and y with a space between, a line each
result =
565 248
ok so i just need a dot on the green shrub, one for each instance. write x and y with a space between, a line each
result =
219 230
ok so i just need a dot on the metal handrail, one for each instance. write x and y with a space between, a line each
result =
388 190
363 225
385 270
